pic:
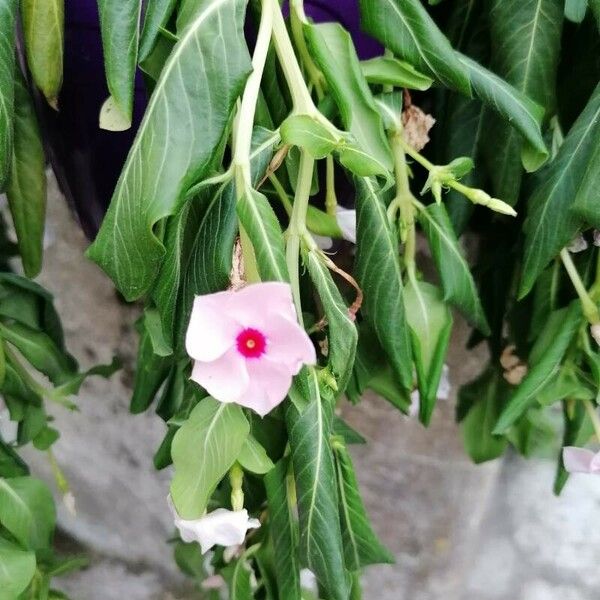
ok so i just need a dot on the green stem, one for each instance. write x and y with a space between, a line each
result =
281 193
590 310
330 197
236 479
591 410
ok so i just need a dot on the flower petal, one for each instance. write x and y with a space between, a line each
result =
577 460
225 378
269 384
346 220
253 305
288 343
211 331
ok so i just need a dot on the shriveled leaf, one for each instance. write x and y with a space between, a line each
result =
156 16
17 568
387 70
169 154
8 12
203 450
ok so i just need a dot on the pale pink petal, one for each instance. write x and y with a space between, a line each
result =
269 384
577 460
346 220
322 241
211 331
253 305
225 378
595 464
289 344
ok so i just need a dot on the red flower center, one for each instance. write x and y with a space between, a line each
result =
251 343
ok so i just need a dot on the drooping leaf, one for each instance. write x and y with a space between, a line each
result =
156 16
332 49
314 472
17 568
203 449
342 335
26 191
387 70
550 224
169 154
430 323
361 545
405 27
43 29
544 362
254 458
8 11
27 511
457 281
120 26
283 530
379 275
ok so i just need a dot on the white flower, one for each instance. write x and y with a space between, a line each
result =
581 460
595 331
346 220
8 428
443 392
578 244
596 237
221 527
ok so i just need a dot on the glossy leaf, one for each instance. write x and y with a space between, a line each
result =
8 12
341 332
27 511
203 450
254 458
283 530
332 49
361 545
26 191
43 30
550 224
379 275
405 27
169 154
156 16
320 534
457 281
120 26
430 323
544 362
17 568
387 70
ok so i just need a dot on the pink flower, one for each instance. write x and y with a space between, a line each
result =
580 460
247 345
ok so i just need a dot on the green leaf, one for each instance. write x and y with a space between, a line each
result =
457 281
595 6
347 433
157 14
379 275
550 224
26 191
11 464
203 450
120 25
8 12
43 30
341 332
152 324
27 511
544 362
320 534
283 529
516 108
525 51
430 323
575 10
361 545
485 397
254 458
45 438
308 133
405 27
332 49
17 568
169 154
587 201
387 70
237 575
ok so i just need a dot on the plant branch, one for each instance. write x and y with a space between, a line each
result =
590 310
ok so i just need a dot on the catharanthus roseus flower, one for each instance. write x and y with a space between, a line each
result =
247 345
221 527
581 460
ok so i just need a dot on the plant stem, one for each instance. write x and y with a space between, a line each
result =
591 410
281 193
590 310
330 197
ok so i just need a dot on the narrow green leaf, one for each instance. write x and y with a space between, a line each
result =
405 27
379 275
341 332
203 450
361 545
320 534
283 529
332 49
544 361
120 26
8 12
237 575
17 568
157 14
550 225
43 30
457 281
387 70
160 345
430 323
26 191
587 201
27 511
254 458
169 154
